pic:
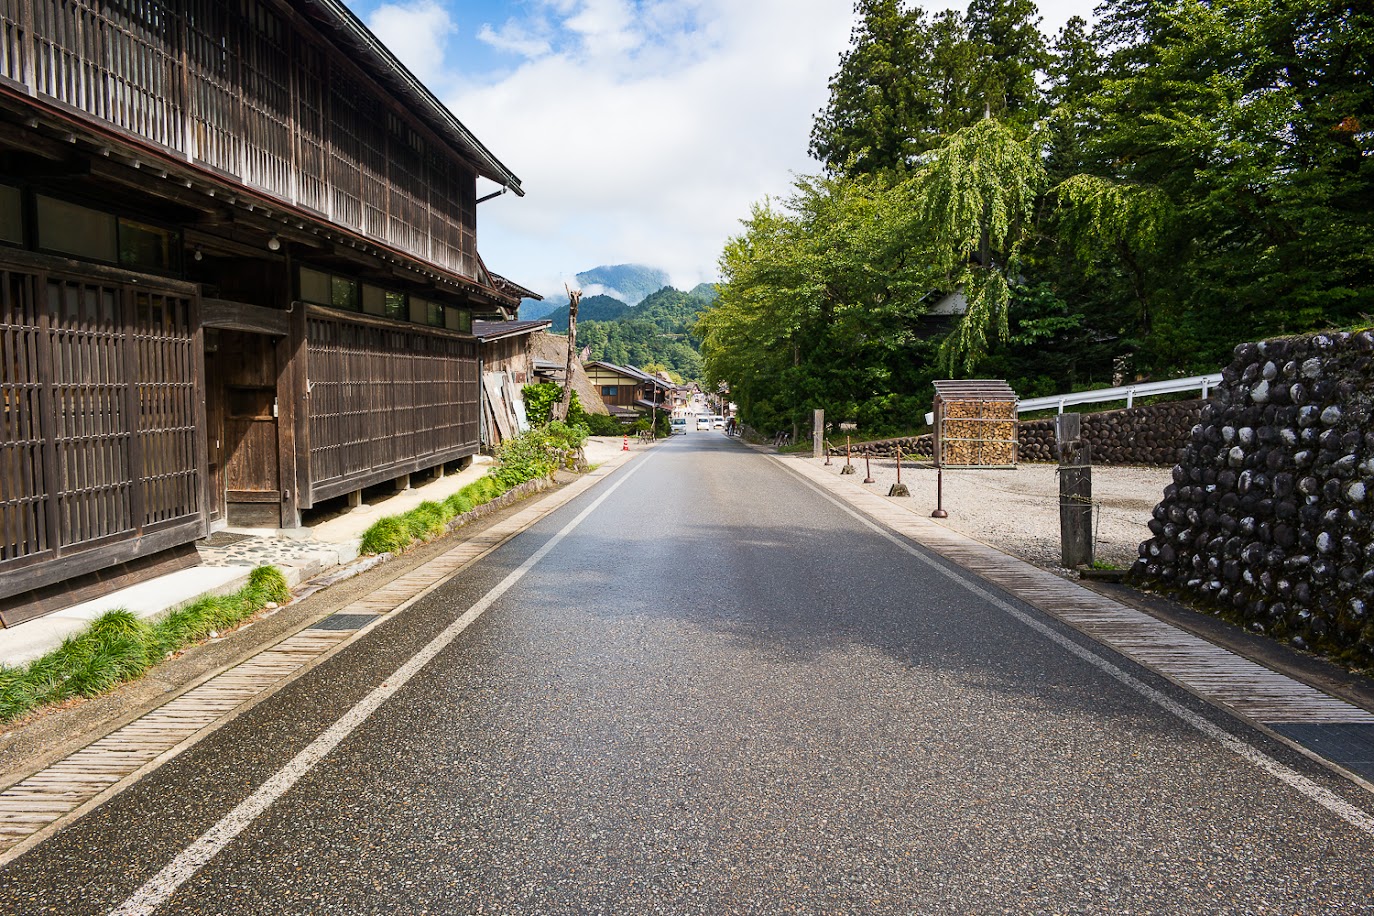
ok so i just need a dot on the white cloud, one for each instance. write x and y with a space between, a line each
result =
515 38
642 132
648 134
416 33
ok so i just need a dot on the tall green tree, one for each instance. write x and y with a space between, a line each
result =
1011 54
975 200
1073 75
821 303
875 101
1250 121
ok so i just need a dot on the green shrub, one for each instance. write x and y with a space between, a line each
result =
425 521
600 424
118 646
541 398
458 504
385 535
269 584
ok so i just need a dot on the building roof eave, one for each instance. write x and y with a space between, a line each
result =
350 31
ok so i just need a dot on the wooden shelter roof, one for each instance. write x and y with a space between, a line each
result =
974 390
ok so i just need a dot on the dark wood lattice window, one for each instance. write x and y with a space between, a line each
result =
98 442
212 34
24 527
92 426
383 398
266 99
13 42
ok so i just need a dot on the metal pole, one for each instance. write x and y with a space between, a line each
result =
899 465
868 472
939 493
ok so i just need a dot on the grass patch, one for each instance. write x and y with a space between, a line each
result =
396 533
533 454
119 647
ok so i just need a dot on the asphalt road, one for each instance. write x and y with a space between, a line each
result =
719 692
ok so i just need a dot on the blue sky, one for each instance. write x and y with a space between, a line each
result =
641 130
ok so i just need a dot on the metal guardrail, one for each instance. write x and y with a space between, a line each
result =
1127 393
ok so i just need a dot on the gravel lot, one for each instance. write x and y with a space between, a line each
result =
1017 511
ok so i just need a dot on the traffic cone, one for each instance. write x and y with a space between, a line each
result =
626 446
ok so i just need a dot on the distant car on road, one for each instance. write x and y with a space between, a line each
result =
718 422
703 422
677 425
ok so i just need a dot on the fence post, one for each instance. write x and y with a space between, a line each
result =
817 433
1075 492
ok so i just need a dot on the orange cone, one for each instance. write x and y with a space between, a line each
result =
626 446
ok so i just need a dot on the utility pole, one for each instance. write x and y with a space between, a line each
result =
574 298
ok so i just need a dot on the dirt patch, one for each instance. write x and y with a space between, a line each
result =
1017 510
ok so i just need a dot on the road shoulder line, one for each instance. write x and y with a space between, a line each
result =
1265 699
42 803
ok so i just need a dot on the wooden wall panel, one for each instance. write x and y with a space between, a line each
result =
239 89
24 528
99 387
13 43
385 401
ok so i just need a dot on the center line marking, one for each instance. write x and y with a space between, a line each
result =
159 888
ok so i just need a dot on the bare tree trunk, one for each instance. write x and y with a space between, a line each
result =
561 411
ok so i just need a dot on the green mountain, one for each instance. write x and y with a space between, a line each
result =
592 308
630 283
658 330
534 309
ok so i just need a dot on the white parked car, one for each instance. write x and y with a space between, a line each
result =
703 422
718 421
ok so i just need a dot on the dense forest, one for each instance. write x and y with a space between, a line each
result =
655 333
1124 201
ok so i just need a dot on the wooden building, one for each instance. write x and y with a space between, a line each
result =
238 274
507 367
627 390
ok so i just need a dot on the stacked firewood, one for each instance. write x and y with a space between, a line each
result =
1268 520
978 433
1152 434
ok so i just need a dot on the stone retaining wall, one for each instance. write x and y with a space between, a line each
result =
1268 521
1151 435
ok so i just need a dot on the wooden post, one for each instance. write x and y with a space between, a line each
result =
899 488
848 464
565 405
817 433
1075 492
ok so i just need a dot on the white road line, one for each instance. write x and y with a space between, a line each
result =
1332 802
159 888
